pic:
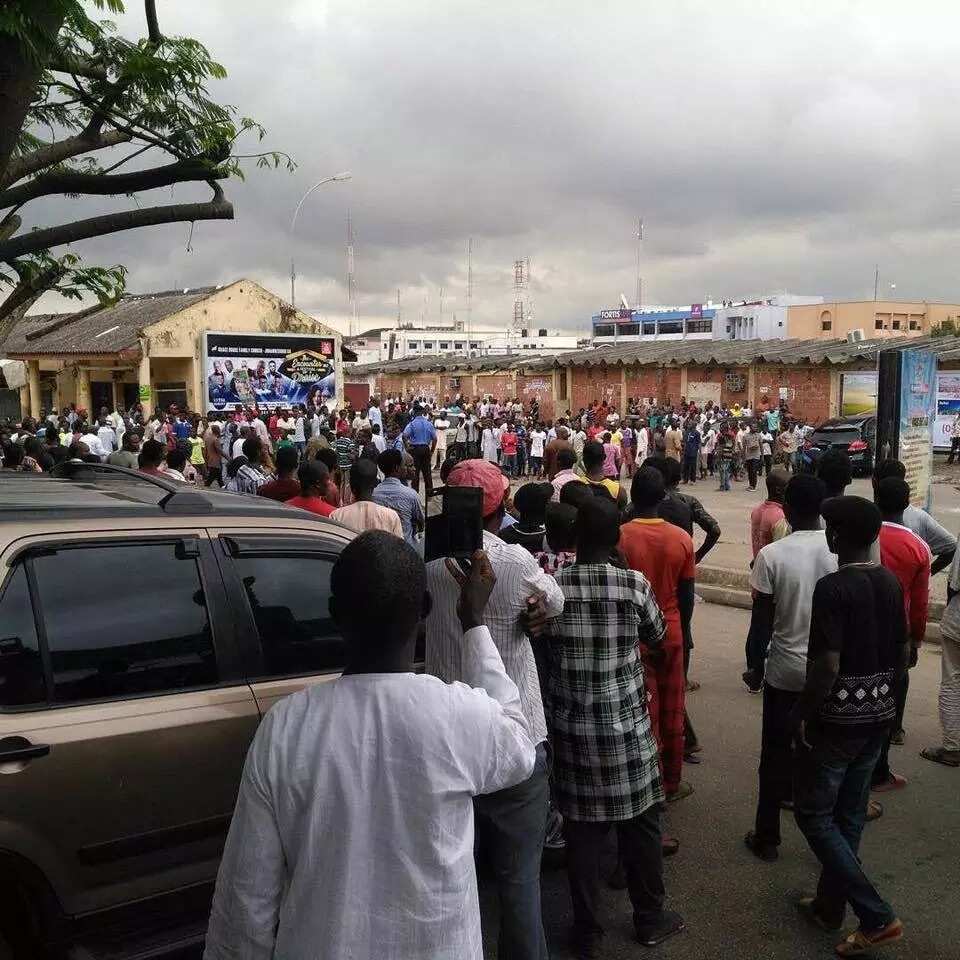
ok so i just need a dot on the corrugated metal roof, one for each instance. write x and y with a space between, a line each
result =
98 329
668 353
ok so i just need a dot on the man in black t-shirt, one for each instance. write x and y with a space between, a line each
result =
857 655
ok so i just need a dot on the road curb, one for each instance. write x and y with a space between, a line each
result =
731 588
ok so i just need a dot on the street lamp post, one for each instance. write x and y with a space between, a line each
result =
337 178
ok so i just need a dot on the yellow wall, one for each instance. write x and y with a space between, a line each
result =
805 322
241 307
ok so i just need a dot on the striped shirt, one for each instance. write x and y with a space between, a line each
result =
518 576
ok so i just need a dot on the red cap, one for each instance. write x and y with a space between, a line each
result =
482 474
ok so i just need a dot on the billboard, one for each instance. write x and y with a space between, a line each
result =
271 370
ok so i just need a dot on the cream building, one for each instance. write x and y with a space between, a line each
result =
145 348
876 318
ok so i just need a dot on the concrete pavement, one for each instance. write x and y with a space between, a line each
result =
734 905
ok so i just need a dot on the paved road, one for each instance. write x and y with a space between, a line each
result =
737 907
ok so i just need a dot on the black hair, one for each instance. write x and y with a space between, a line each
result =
363 475
389 461
328 458
892 495
566 459
287 458
575 492
648 488
803 496
668 468
834 469
531 500
598 524
888 468
176 459
593 454
252 449
52 433
561 524
312 473
151 454
13 455
856 520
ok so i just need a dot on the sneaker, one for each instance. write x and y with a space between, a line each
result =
807 908
683 791
895 782
859 943
897 737
666 926
554 837
767 852
874 811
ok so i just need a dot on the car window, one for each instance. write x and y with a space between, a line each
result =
836 435
21 669
124 619
288 598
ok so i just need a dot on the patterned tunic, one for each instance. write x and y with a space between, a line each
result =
605 766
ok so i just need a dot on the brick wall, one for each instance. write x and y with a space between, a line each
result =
499 386
809 388
541 387
593 384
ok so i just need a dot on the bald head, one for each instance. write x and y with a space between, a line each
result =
777 480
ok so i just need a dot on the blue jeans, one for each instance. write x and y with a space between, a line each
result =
723 466
830 793
513 822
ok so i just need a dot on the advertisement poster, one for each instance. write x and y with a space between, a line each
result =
918 408
271 370
859 393
701 392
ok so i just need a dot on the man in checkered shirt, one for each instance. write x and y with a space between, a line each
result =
606 770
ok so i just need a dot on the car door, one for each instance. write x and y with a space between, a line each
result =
280 585
123 680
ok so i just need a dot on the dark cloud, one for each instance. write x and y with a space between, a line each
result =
768 147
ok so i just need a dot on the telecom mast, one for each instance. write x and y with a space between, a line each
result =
522 308
639 279
351 280
469 292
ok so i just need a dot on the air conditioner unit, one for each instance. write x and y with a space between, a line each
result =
855 336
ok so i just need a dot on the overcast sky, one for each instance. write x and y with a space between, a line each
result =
784 146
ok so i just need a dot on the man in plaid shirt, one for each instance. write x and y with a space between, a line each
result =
606 769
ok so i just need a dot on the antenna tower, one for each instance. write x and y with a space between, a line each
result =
399 312
469 292
351 279
522 308
639 278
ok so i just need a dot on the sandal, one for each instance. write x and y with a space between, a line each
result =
693 685
874 811
949 758
859 942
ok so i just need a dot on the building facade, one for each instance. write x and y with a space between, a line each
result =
403 342
144 348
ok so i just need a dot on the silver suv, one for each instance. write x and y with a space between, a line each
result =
145 628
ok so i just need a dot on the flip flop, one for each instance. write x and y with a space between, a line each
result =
949 758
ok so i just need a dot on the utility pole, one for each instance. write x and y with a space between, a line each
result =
469 293
351 280
639 280
876 282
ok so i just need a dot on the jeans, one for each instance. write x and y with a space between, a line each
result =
514 822
752 472
881 773
690 469
776 762
641 849
509 464
536 466
831 790
723 468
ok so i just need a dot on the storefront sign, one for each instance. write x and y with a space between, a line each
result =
272 370
143 393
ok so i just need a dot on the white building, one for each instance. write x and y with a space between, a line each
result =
758 319
399 343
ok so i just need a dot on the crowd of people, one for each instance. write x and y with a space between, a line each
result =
552 709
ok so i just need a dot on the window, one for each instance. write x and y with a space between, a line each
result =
699 326
474 344
896 324
21 670
826 320
109 639
671 326
878 322
289 599
603 330
459 345
562 384
427 344
444 344
629 329
650 328
914 324
413 345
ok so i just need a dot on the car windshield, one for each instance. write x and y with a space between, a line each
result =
841 433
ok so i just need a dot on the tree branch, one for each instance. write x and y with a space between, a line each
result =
26 292
217 209
182 171
66 63
59 151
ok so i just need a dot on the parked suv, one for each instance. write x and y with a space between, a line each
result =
856 435
145 628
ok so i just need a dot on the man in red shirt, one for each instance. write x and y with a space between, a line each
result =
313 476
765 516
908 558
508 447
664 554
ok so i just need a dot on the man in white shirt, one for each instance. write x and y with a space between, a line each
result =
643 443
374 415
516 817
441 424
285 424
107 437
360 421
538 441
362 787
784 575
92 441
237 450
299 430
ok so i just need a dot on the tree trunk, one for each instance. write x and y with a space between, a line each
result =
19 76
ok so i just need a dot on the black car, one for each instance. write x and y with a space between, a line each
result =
857 435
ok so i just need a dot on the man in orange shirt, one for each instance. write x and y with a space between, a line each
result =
664 554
